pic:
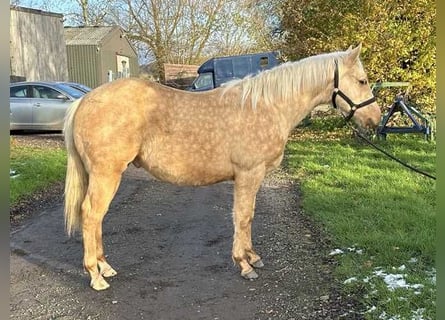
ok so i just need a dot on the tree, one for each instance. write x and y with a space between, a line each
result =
188 31
398 38
176 31
92 13
170 29
247 27
75 12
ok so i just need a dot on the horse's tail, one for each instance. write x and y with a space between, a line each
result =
76 176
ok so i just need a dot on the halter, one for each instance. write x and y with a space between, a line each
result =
337 91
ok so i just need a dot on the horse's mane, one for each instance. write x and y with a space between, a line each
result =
288 79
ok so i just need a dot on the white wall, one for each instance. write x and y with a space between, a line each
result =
37 45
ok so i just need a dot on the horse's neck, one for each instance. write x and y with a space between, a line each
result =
304 104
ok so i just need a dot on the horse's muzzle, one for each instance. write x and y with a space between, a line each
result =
368 117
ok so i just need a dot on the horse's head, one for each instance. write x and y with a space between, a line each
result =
352 93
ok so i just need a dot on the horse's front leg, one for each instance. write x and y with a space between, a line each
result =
247 184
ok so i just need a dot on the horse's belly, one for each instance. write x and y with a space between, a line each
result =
187 171
190 176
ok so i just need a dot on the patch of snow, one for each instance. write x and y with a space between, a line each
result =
384 316
350 280
352 249
395 281
372 309
418 314
412 260
401 268
335 252
417 286
432 275
415 315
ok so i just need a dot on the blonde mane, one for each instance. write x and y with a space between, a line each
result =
287 80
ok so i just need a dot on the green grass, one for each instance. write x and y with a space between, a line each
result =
36 169
379 213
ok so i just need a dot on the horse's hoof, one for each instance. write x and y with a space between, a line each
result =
250 275
110 272
258 264
99 284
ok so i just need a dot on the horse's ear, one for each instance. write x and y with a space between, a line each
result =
349 49
353 54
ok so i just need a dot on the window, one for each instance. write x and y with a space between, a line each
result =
18 92
123 66
45 92
264 61
75 93
205 80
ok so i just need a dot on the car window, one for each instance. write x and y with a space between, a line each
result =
70 90
17 92
43 92
80 87
85 88
205 80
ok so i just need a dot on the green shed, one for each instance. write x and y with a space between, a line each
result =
99 54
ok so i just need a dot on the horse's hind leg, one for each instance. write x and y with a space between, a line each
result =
105 269
101 190
247 184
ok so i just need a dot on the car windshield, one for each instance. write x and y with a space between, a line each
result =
77 86
70 90
81 87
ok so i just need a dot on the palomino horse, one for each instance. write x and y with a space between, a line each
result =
199 138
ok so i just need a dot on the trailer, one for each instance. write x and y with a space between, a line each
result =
219 70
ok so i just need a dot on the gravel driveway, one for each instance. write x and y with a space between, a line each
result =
171 247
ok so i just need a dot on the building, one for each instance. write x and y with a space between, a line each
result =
37 45
99 54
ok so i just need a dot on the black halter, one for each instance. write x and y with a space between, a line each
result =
337 91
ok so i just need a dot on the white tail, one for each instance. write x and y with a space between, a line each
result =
76 177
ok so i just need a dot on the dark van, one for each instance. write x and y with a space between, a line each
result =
217 71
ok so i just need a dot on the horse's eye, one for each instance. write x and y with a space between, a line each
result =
363 81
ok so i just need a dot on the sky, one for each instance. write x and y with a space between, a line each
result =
67 7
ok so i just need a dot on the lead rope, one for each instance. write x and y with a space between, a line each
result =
387 153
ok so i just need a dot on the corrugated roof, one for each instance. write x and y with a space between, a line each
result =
35 11
86 35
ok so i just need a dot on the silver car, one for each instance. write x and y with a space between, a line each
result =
40 105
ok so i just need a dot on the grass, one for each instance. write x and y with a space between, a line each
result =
36 168
378 213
